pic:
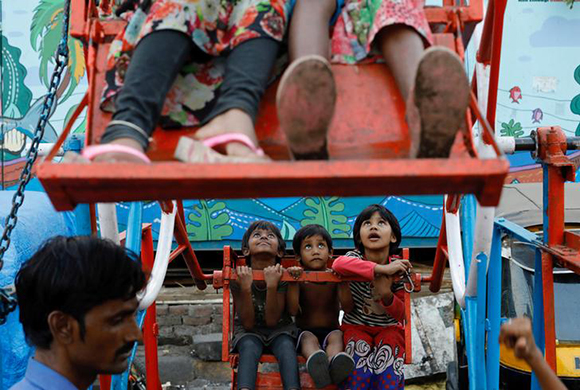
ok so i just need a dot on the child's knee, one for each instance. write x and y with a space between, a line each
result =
250 347
335 338
308 338
320 7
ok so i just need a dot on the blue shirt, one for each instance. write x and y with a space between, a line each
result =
40 377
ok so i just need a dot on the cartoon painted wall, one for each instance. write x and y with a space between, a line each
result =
539 85
539 76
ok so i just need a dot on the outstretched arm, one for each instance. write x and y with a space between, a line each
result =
353 266
517 334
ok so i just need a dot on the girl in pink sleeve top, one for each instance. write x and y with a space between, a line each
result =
373 330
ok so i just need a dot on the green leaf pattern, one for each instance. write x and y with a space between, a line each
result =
208 222
325 211
511 129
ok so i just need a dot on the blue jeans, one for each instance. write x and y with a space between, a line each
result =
283 347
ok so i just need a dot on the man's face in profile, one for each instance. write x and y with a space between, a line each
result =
110 333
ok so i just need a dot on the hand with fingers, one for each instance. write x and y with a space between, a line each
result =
395 267
295 272
245 277
272 275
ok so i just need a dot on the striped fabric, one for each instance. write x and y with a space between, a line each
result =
366 311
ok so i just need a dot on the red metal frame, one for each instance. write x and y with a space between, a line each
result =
561 246
164 181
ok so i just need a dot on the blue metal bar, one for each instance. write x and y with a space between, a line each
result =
469 328
481 259
514 230
133 243
494 310
546 201
475 329
538 311
468 211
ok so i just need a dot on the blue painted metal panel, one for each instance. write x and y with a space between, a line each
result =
538 312
494 310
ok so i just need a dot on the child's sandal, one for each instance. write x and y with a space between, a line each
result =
317 367
341 366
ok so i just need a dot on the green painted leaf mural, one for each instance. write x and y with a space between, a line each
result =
575 103
16 96
512 129
326 211
287 231
208 222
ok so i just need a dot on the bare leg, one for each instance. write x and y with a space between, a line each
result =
309 28
334 344
402 49
308 344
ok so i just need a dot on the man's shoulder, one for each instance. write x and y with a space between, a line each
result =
25 385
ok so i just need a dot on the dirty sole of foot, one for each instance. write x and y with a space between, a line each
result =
305 102
441 95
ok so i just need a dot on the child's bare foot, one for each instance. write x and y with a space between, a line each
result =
436 109
229 137
305 102
112 156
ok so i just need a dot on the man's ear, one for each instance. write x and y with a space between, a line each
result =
63 327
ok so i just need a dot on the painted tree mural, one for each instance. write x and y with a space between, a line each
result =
45 36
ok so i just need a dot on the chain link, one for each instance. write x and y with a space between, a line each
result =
7 302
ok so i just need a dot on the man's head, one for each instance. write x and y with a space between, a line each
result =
312 246
78 295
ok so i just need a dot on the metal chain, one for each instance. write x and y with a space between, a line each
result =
7 302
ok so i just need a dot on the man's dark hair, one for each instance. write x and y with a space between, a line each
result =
264 225
73 275
309 231
386 215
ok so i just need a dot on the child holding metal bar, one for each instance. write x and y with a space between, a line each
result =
262 320
187 63
316 307
432 82
516 334
373 331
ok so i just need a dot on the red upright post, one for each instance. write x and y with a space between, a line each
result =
150 328
557 169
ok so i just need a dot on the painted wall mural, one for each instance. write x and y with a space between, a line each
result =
539 85
539 76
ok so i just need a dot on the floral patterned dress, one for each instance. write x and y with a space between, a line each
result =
215 26
361 20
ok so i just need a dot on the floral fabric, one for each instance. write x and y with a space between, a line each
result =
379 355
215 26
361 20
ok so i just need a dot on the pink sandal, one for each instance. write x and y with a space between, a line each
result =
193 151
91 152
